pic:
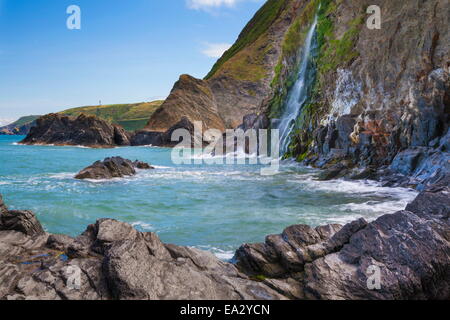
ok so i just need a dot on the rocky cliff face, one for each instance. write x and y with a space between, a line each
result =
111 260
378 92
82 130
239 83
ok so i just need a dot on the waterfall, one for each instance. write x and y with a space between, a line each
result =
300 92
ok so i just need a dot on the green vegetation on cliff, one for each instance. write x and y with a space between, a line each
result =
23 121
254 30
130 116
333 52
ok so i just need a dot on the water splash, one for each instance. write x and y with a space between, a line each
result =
300 92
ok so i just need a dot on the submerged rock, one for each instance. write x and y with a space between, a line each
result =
115 167
89 131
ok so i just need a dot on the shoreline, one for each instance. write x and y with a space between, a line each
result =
113 253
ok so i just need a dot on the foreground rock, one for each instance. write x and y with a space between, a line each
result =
411 249
90 131
114 261
115 167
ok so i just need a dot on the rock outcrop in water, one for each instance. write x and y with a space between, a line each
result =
111 260
90 131
115 167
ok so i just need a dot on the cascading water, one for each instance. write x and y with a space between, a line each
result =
300 92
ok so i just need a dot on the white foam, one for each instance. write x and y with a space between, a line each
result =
63 175
360 187
143 225
224 255
160 167
376 206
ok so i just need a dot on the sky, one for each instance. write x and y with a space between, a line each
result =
125 51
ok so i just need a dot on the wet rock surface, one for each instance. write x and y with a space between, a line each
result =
89 131
112 260
411 249
115 167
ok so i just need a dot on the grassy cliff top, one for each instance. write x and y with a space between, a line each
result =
131 116
23 121
255 30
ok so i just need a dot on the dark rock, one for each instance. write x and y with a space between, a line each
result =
147 138
368 173
83 130
254 121
142 165
164 139
410 248
336 171
3 208
21 221
118 262
407 161
444 143
434 202
115 167
420 167
59 242
345 126
283 254
343 236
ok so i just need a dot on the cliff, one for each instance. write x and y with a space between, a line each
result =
376 95
56 129
380 96
131 116
239 83
20 127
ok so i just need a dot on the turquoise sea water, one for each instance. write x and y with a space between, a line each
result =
216 208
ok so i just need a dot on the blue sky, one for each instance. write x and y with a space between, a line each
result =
126 51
